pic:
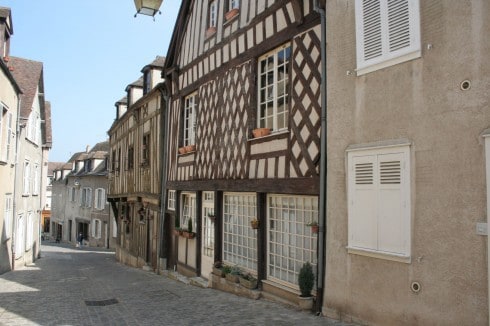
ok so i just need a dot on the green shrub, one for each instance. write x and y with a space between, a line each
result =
189 226
306 279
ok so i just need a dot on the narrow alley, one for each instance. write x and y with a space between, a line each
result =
71 286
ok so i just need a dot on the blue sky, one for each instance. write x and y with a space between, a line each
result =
91 50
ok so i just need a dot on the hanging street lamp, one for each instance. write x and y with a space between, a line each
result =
147 7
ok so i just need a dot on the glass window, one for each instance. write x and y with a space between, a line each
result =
274 89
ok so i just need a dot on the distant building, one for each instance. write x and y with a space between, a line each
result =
25 139
79 203
136 165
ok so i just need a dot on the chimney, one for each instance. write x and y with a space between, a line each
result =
87 149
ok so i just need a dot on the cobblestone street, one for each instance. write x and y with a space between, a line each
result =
70 286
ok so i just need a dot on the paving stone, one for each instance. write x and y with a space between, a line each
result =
54 291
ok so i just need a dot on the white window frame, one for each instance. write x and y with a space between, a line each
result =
213 13
100 199
386 43
290 240
36 180
10 137
30 231
239 239
208 225
379 205
233 4
20 236
72 194
8 216
274 88
189 126
171 200
188 210
27 178
86 197
96 228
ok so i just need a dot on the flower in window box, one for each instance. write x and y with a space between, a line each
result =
248 281
231 14
254 223
314 226
210 31
261 132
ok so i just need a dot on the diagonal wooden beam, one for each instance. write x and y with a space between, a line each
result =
298 10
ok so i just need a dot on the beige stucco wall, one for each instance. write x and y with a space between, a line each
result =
421 101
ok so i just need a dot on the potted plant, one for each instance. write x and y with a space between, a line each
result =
226 270
218 269
261 132
182 150
190 148
314 226
188 233
211 216
254 223
248 281
306 280
233 275
231 14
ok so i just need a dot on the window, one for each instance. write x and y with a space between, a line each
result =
239 239
37 177
27 178
86 197
145 155
208 225
71 194
20 236
8 216
30 231
290 240
188 211
171 200
190 107
233 4
387 33
10 137
100 198
274 89
213 13
379 200
96 229
130 158
147 82
114 161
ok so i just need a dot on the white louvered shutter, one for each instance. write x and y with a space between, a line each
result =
362 212
387 31
391 226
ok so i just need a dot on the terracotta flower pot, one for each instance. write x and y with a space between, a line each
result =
254 224
210 31
261 132
231 14
182 150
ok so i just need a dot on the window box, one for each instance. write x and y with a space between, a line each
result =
248 281
231 14
261 132
190 148
210 31
182 150
188 235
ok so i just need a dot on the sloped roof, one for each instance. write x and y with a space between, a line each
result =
48 134
124 100
158 63
53 166
136 83
4 12
177 33
29 76
102 146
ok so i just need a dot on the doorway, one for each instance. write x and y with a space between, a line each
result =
208 220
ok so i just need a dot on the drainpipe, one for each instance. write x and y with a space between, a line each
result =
486 137
322 236
16 173
163 166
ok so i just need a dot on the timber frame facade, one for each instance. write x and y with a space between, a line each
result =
228 74
135 169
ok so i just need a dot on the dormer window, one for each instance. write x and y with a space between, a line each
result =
213 13
147 82
233 4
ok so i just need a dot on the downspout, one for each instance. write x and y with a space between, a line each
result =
163 165
16 170
322 236
486 137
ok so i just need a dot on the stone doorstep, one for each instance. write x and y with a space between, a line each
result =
196 281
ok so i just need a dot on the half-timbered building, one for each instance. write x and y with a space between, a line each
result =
134 183
235 69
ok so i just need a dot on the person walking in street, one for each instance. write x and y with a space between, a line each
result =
80 240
